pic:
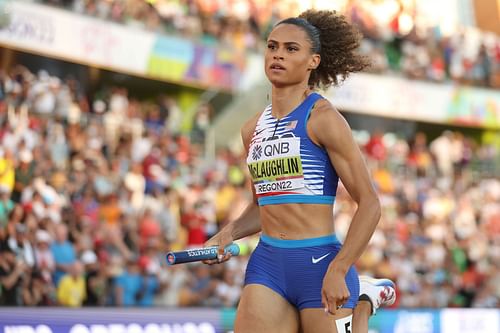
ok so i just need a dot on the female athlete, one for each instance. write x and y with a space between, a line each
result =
298 148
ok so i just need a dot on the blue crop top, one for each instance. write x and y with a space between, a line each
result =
285 165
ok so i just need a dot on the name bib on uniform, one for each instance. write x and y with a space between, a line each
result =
275 165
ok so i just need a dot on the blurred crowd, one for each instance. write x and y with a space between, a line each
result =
94 193
439 235
395 41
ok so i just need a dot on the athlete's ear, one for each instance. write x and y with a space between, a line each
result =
315 60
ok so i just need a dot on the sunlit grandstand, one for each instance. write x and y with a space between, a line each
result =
120 141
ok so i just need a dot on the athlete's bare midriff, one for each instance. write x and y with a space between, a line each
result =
297 221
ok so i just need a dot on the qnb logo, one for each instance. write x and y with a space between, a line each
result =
256 152
276 149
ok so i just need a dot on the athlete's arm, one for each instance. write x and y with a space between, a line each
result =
248 223
329 128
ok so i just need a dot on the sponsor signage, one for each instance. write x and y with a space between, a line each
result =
58 33
109 320
405 321
156 320
417 100
470 321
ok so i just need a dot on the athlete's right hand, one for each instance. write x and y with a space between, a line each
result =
221 240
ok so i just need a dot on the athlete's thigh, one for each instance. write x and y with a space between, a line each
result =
262 310
315 320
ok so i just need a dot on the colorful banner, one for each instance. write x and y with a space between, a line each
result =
405 321
176 59
58 33
474 107
158 320
419 321
396 97
470 321
109 320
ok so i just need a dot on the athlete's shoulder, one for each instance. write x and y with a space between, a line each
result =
326 119
324 111
324 105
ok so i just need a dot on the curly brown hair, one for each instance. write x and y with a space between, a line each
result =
336 41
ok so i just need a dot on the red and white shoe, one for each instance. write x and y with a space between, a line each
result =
379 292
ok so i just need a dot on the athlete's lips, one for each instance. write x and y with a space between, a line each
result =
276 66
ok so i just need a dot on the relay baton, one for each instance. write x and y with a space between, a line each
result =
204 253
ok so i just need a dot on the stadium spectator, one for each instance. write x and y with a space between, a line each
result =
37 292
150 283
71 289
24 173
199 290
6 206
44 259
194 222
7 175
63 252
96 280
172 282
129 284
228 290
12 272
21 245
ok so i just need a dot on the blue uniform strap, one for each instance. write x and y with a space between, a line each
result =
308 104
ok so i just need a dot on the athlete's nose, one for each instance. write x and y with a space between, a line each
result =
277 57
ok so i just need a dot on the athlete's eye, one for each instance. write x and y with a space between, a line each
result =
292 49
271 46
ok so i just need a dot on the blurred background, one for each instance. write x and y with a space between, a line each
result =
119 131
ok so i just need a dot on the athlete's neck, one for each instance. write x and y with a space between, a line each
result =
286 99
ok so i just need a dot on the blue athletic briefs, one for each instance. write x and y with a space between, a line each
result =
285 165
295 269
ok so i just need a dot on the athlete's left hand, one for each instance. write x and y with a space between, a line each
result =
334 293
